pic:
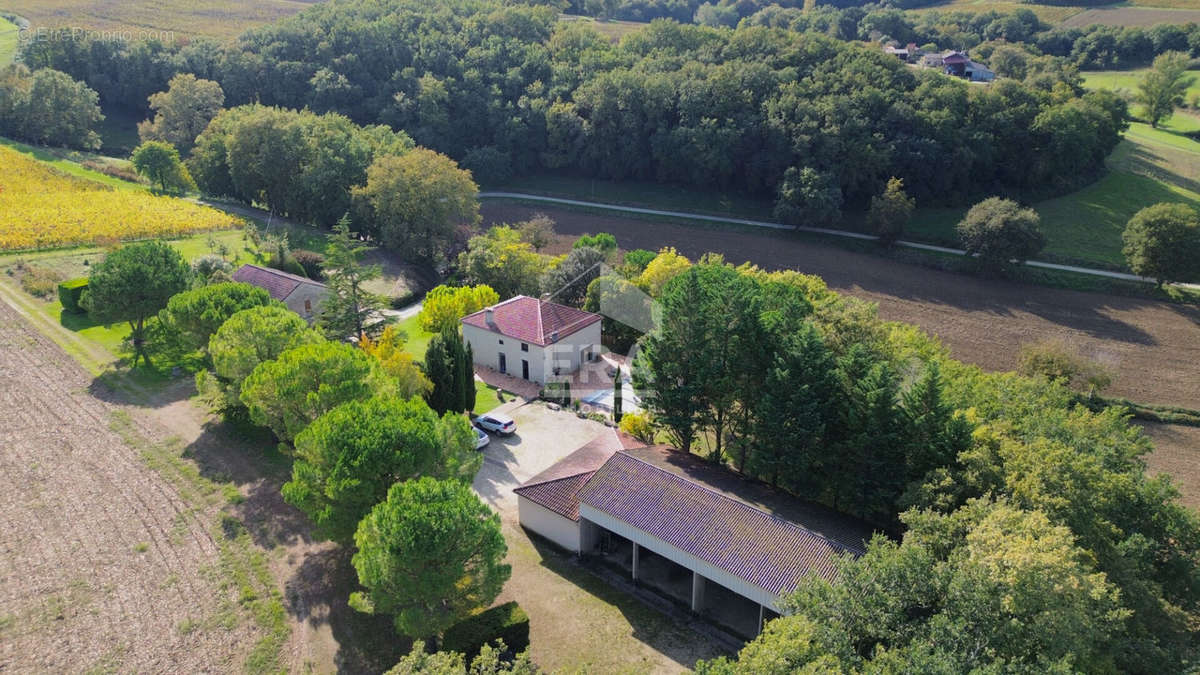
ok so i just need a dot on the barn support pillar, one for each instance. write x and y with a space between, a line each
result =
636 554
698 583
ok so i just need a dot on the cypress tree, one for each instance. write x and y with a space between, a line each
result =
617 396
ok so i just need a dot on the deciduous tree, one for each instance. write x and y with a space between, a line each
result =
1163 86
1163 242
413 202
397 363
428 556
1000 232
500 259
183 111
159 163
133 283
891 211
443 306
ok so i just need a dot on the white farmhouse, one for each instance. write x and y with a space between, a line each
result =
532 339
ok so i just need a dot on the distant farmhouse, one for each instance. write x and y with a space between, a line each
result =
532 338
301 295
724 546
909 53
958 64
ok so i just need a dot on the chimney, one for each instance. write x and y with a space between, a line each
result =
487 317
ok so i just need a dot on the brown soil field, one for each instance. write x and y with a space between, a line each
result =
1152 347
1177 453
105 566
1131 16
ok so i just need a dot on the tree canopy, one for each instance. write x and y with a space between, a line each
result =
1163 242
1000 232
133 283
428 556
444 305
48 107
183 111
198 314
1163 86
305 382
348 458
159 163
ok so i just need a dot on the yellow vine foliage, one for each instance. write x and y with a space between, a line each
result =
42 208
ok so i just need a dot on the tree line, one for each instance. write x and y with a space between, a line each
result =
1030 537
506 88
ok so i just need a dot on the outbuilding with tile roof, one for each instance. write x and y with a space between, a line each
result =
745 537
301 295
531 338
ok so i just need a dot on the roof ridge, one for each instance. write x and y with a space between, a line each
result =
281 273
726 497
541 331
554 480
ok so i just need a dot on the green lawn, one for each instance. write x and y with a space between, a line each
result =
1127 80
1169 133
8 41
417 340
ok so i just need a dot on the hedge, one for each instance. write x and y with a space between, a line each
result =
506 622
70 292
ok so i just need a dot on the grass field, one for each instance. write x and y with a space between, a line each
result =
1127 80
8 41
1148 13
167 21
614 30
1047 13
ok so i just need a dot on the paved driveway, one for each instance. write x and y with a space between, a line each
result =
542 438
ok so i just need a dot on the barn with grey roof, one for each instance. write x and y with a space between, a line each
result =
664 509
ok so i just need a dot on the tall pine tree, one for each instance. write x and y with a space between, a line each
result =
349 310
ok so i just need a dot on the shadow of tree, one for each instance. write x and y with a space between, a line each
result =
318 593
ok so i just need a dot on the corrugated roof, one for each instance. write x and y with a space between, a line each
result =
761 548
278 283
532 320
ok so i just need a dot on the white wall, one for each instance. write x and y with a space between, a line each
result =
681 557
566 353
558 529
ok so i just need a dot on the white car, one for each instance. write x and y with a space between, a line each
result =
481 437
496 423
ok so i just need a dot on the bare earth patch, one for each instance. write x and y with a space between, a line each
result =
105 565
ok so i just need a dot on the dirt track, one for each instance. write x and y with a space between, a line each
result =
1152 347
103 564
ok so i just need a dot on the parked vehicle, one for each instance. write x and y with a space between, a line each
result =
481 438
496 423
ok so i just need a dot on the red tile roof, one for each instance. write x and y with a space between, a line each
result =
746 541
557 487
532 320
278 283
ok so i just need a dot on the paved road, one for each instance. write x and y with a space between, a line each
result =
799 228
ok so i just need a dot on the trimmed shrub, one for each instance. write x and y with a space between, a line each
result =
506 622
311 261
70 293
